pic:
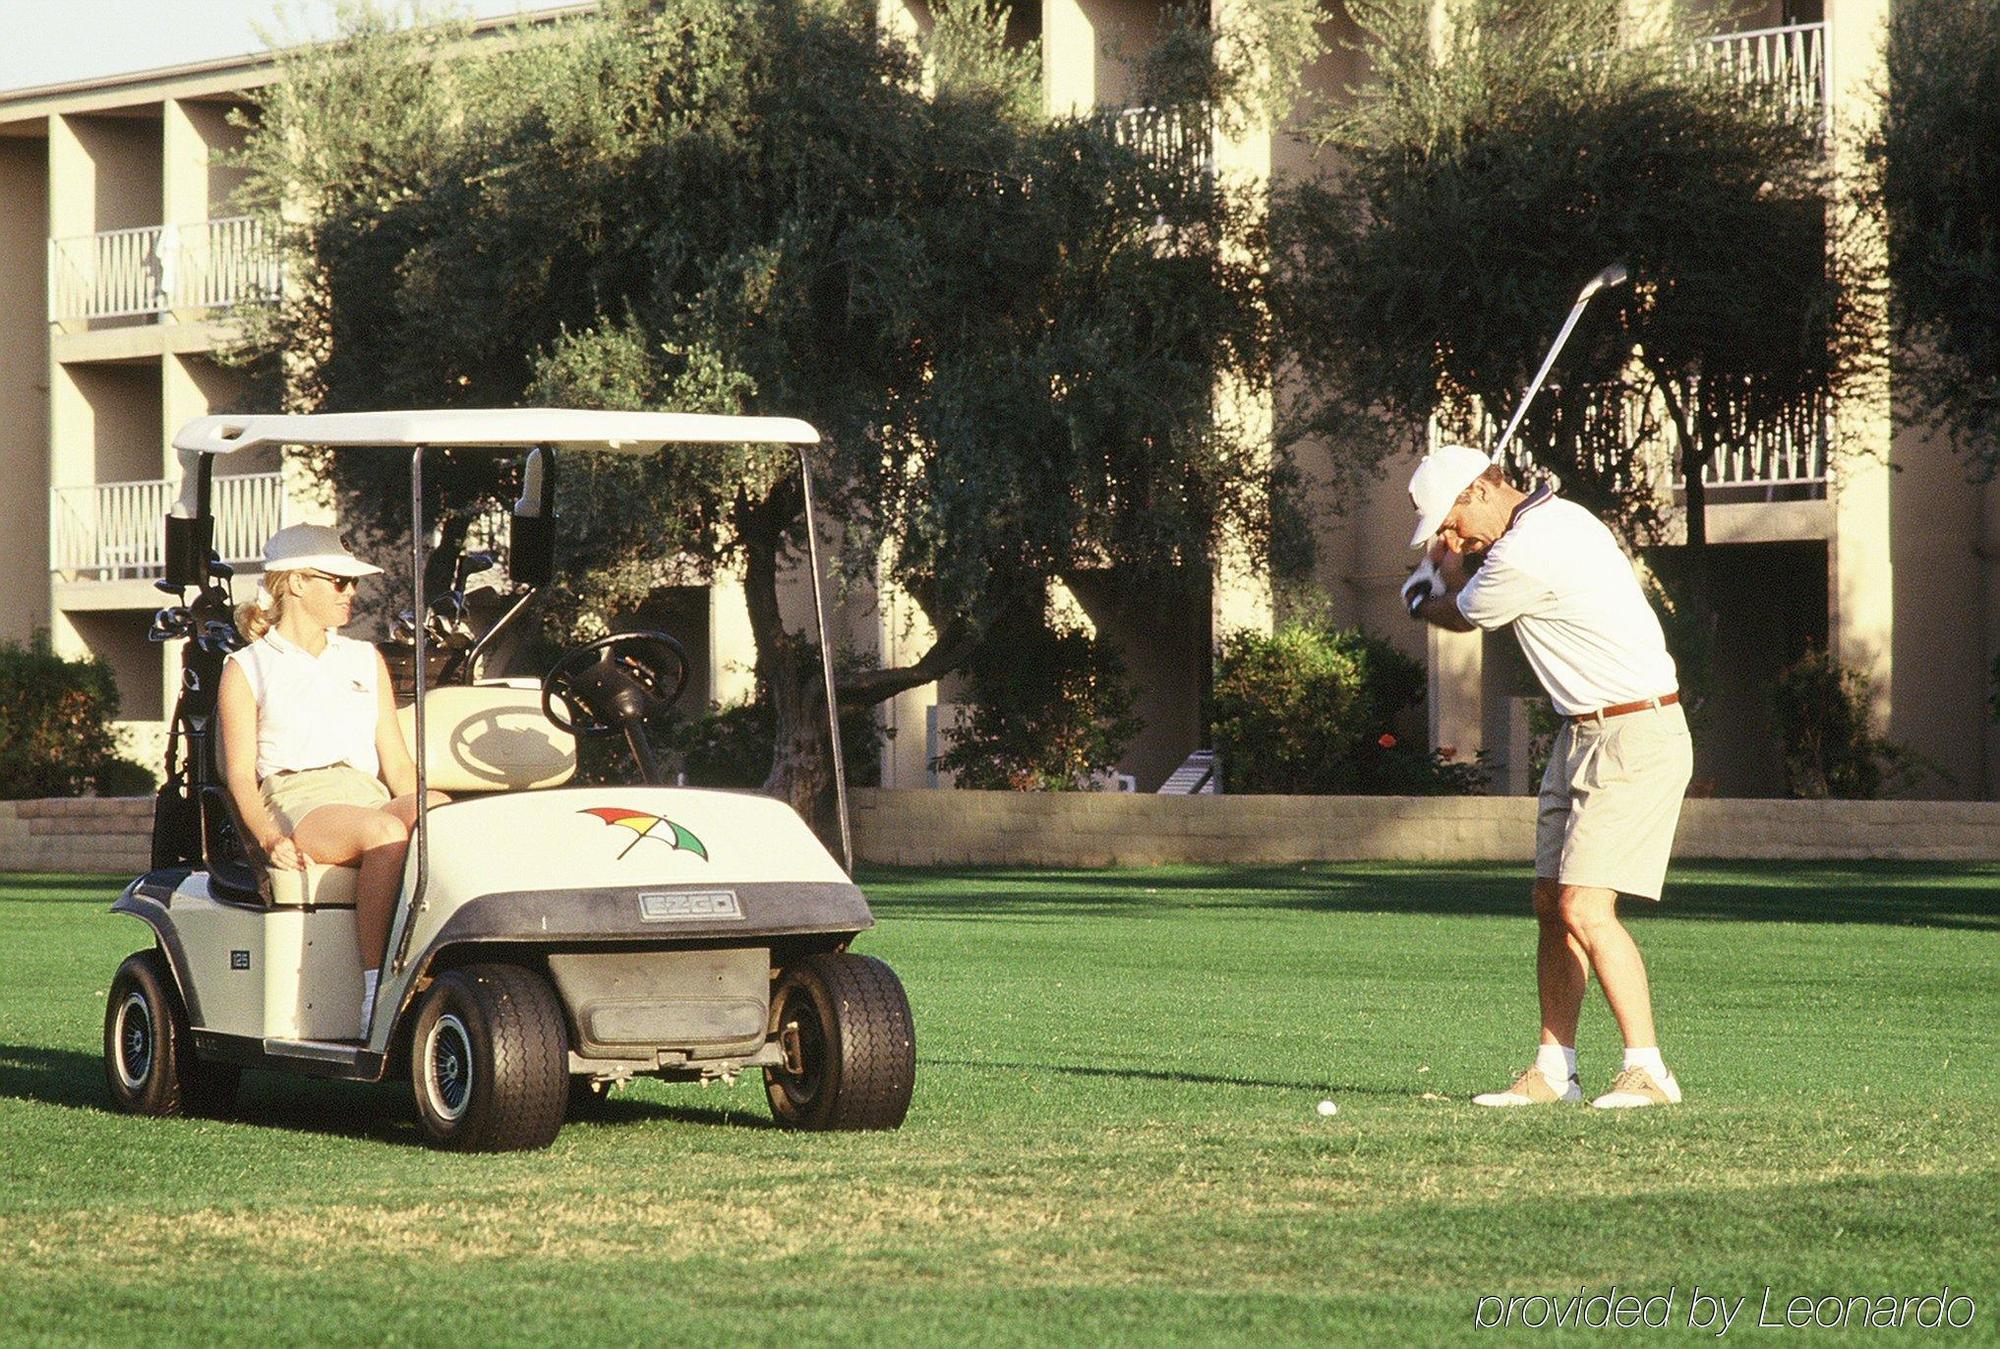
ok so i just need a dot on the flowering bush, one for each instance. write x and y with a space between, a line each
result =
1312 709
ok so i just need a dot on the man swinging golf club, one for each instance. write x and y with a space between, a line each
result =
1618 768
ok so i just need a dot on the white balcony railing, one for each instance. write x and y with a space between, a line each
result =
1788 63
1793 455
1167 136
1785 461
113 530
130 273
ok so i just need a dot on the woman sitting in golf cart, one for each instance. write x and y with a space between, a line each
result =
312 752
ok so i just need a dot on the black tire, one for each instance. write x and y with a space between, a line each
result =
149 1060
856 1047
489 1060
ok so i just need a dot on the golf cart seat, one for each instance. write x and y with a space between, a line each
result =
318 886
482 738
488 738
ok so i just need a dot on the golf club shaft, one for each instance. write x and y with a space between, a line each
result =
1610 276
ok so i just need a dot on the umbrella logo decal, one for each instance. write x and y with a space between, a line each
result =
649 826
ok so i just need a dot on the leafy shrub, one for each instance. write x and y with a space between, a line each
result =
56 736
1819 711
732 746
1313 708
124 777
1544 725
1049 710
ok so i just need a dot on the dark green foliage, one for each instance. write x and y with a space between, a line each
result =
1050 708
1315 709
1820 714
124 777
56 736
1938 151
1502 152
1544 725
731 746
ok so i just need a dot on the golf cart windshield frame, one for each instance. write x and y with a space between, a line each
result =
531 429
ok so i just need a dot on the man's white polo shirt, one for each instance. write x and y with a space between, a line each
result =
1583 622
313 711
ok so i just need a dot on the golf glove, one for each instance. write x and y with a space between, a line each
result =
1424 582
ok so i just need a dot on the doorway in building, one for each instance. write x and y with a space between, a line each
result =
1770 605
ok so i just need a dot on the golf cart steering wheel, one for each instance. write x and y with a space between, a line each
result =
610 686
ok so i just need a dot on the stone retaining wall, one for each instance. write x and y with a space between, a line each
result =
917 828
1096 829
103 834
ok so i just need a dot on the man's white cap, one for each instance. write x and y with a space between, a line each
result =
315 548
1444 473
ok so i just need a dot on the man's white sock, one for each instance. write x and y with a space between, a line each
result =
1649 1059
1558 1064
368 981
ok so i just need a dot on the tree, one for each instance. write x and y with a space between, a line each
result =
1007 329
1938 151
1492 164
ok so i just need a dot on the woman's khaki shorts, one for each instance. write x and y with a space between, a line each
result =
290 797
1610 801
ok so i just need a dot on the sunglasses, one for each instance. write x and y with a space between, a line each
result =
343 584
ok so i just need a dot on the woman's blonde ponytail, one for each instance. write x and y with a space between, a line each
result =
253 620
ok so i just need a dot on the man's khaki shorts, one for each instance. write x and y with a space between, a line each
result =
1611 798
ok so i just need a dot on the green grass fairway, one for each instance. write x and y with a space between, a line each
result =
1114 1136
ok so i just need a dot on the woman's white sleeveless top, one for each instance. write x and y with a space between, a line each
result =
313 711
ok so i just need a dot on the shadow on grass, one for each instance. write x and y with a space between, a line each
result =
53 1077
623 1109
1167 1076
1898 894
344 1109
382 1111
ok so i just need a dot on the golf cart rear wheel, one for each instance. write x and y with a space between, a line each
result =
489 1060
850 1048
149 1061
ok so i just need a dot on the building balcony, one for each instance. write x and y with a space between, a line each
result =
142 273
112 531
1173 137
1787 63
1787 462
1782 463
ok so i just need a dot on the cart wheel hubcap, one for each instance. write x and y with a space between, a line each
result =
805 1044
448 1067
134 1036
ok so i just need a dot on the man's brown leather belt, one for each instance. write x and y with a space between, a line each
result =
1622 709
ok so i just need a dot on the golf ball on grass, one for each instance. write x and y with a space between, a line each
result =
1328 1108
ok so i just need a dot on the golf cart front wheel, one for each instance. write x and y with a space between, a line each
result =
149 1061
489 1060
850 1049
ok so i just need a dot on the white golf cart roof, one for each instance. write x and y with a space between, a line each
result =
567 428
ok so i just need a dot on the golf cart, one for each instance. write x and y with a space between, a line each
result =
550 940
